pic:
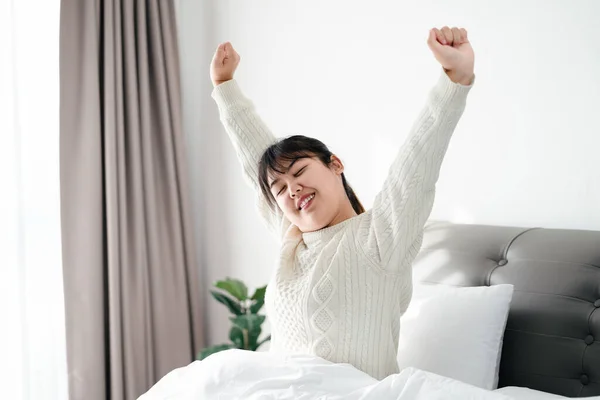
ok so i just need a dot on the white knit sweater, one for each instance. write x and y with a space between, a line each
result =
338 293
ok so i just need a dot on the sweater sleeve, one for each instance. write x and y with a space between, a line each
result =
392 230
250 137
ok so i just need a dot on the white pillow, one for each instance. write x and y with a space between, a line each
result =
456 332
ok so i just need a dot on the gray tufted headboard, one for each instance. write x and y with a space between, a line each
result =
552 338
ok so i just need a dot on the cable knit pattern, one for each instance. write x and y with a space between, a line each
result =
323 319
339 292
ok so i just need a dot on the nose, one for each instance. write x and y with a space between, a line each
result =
294 190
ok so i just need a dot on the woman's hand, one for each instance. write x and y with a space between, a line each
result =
453 51
224 63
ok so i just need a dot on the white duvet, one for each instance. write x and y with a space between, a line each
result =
238 374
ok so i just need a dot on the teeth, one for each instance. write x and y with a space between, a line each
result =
305 201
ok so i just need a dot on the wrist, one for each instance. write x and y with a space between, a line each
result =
218 82
462 78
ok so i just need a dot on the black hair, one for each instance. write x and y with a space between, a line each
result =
278 157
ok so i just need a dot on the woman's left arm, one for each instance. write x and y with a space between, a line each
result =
391 232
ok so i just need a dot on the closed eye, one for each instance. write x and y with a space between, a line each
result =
282 190
297 174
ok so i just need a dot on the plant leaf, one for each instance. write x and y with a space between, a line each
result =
248 321
255 308
233 305
236 335
253 338
213 349
251 323
265 340
234 287
259 300
259 294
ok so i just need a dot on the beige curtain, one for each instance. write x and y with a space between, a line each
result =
131 280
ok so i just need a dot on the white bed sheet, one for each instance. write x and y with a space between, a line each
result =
238 374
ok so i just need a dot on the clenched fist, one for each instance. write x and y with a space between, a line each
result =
453 51
224 63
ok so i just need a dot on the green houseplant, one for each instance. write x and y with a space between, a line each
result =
246 320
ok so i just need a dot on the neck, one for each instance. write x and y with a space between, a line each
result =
346 212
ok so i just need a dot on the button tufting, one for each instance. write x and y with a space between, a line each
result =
584 379
597 303
589 339
502 262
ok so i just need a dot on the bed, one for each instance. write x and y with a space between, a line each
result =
552 336
547 329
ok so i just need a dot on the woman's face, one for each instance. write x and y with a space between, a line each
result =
310 194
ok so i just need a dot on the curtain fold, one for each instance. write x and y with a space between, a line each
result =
131 281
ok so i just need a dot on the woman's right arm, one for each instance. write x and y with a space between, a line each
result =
248 133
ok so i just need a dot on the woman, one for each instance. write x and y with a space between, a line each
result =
343 277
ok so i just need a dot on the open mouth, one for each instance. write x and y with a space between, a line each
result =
306 202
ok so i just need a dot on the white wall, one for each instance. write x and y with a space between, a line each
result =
355 74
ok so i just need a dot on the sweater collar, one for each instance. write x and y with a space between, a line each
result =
312 239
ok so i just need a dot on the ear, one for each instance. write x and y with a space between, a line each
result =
336 165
